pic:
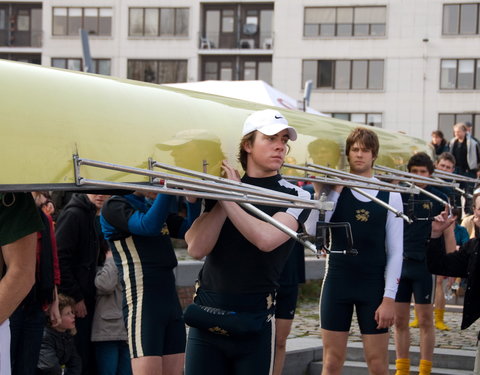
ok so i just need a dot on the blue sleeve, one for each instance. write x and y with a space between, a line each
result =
193 211
150 223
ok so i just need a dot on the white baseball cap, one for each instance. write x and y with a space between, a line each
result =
268 122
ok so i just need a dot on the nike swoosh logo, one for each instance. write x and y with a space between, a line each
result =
278 117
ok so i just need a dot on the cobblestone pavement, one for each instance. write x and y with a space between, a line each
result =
306 324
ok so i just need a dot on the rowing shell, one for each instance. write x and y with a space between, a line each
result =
50 115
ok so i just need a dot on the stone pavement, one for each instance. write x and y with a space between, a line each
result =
306 324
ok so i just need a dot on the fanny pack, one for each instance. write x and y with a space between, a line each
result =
226 323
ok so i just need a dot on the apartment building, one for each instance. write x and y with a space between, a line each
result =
411 66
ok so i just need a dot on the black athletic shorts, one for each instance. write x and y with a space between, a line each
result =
286 302
416 279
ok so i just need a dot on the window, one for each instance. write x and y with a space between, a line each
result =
447 120
157 71
344 21
237 68
461 19
373 119
158 22
68 21
344 74
100 66
461 74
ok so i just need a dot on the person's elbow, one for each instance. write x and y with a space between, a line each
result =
195 251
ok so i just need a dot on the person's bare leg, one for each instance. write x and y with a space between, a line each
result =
427 331
151 365
375 348
334 351
173 364
402 330
282 330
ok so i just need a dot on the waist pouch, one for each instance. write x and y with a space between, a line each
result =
226 323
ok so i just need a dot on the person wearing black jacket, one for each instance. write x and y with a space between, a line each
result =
463 263
79 239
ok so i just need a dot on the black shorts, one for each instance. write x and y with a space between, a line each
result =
286 302
416 279
340 296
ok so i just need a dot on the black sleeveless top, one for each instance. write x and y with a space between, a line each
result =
367 220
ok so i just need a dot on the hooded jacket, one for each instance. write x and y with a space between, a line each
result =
78 241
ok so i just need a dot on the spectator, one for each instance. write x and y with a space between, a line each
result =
108 330
19 222
439 143
79 241
58 355
28 320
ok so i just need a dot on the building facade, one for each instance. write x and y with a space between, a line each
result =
410 66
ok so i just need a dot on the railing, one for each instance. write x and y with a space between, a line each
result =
225 41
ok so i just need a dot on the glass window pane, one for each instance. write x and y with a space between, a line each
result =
226 71
310 72
211 68
448 75
74 20
344 29
327 29
103 67
476 125
136 22
59 21
361 29
377 29
375 75
465 74
445 124
74 64
228 22
358 118
450 19
342 74
265 71
311 30
167 21
266 27
249 70
320 15
372 14
212 26
181 22
59 63
374 119
342 116
464 117
468 18
325 74
344 15
477 83
151 22
23 20
359 74
150 71
2 19
90 21
105 21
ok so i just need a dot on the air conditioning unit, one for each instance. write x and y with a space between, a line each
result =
247 43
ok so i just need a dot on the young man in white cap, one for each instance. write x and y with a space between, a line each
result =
232 324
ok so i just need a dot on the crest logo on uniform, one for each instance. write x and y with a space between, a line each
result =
427 206
165 231
362 215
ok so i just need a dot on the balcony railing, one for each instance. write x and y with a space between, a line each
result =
227 41
21 39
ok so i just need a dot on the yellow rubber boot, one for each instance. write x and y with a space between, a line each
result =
403 366
439 323
425 367
414 322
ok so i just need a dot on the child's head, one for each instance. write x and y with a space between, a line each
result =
66 306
